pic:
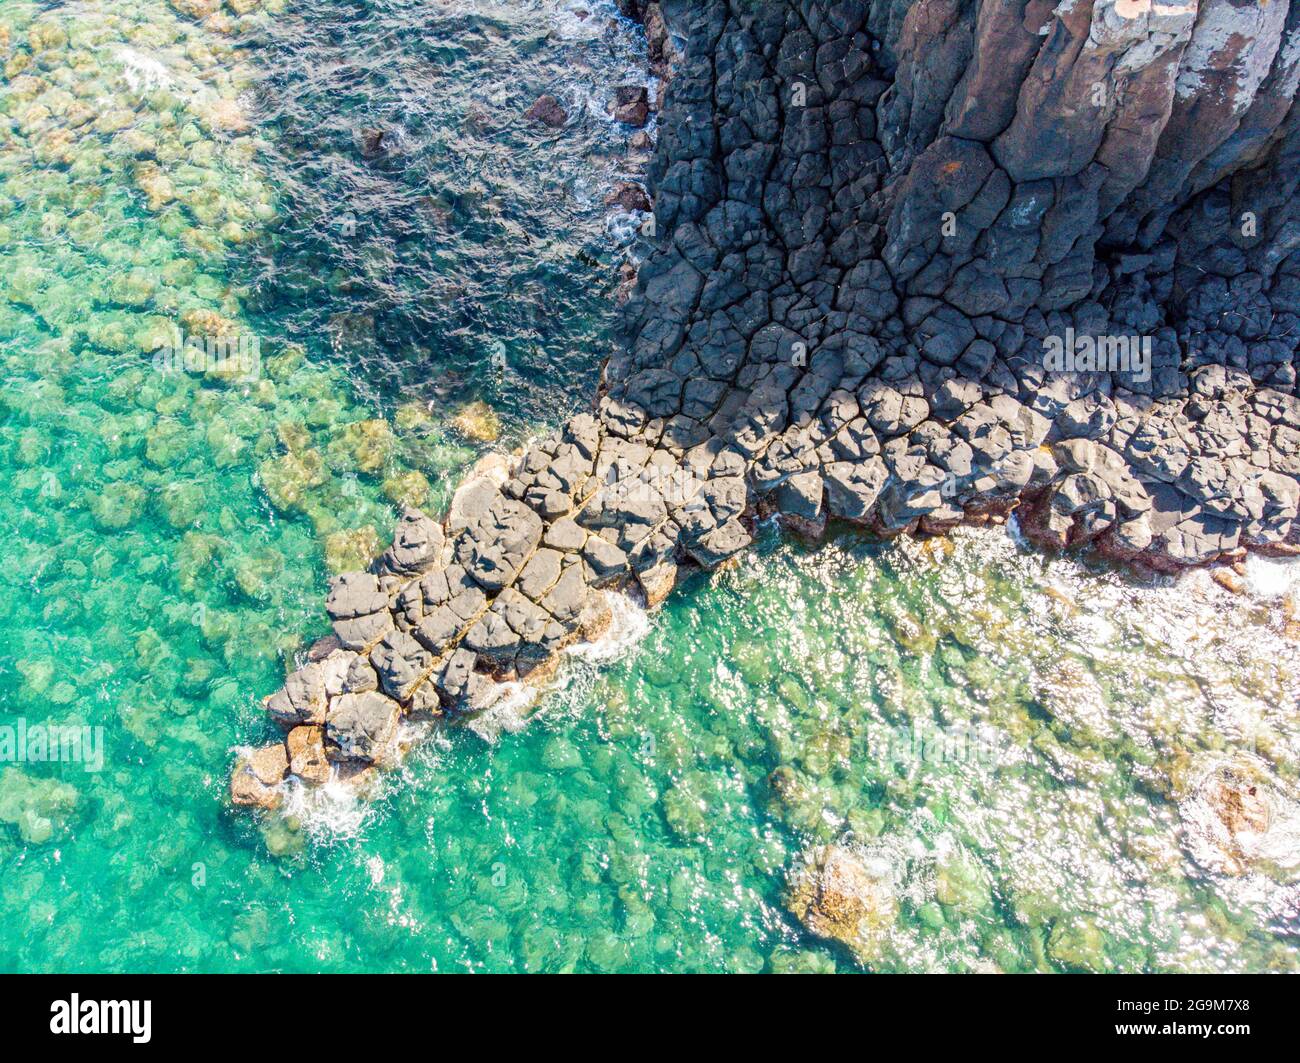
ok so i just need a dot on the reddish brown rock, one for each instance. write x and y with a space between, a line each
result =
629 196
306 748
257 777
548 111
1228 580
845 896
631 105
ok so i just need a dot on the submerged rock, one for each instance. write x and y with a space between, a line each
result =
39 808
1240 806
845 896
351 549
370 142
477 421
1078 944
1230 813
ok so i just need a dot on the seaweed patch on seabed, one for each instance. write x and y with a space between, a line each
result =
152 419
864 259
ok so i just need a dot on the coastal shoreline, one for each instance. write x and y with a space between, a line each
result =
850 321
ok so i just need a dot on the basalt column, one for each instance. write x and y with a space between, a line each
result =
913 263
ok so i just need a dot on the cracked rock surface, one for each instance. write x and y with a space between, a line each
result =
916 262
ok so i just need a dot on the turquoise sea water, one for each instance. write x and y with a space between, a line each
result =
1036 753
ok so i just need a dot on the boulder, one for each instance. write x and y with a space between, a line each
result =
846 896
302 699
257 777
547 111
355 594
401 662
307 760
605 560
630 197
631 105
363 727
495 547
417 545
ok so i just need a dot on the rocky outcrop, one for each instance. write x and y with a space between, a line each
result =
843 895
914 263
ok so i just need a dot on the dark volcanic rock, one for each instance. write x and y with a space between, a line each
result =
910 260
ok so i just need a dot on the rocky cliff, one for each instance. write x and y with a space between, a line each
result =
915 262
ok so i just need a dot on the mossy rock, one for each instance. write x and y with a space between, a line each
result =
352 550
288 478
117 505
1078 944
410 488
477 421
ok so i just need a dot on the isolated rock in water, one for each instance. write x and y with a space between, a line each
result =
1227 816
371 142
548 111
843 895
631 105
1240 806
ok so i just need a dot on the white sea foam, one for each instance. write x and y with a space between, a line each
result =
1269 578
630 624
143 72
624 227
508 714
328 813
517 703
1016 534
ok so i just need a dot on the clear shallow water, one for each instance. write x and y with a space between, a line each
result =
169 537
